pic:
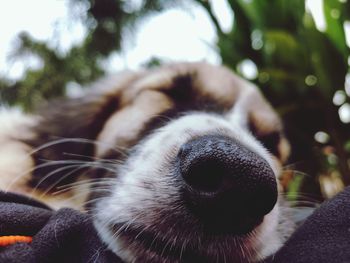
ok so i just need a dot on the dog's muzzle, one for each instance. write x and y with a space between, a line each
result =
226 186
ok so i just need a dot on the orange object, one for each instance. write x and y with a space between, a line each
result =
9 240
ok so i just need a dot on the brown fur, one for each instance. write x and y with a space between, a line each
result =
118 109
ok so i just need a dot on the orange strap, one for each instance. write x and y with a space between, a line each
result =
9 240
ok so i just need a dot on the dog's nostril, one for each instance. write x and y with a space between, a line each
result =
226 184
202 174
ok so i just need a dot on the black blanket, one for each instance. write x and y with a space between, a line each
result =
323 237
60 236
67 235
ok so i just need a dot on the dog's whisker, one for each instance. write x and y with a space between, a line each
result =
93 200
76 166
72 164
95 182
40 166
296 172
85 193
183 247
118 149
107 161
292 165
66 188
87 181
125 226
83 162
79 167
80 186
53 143
72 161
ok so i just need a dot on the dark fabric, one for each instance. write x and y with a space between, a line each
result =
68 236
323 237
60 236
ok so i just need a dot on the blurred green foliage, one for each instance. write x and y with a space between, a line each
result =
299 68
106 21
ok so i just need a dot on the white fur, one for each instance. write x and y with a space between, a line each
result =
131 202
16 163
14 158
150 162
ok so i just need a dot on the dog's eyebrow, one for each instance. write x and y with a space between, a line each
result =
189 97
186 98
181 88
165 117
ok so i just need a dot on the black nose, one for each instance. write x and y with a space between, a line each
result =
229 187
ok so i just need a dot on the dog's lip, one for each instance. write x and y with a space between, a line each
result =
135 233
153 242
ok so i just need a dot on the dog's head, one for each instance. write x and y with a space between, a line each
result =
198 153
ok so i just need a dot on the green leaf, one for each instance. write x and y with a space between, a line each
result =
334 16
294 187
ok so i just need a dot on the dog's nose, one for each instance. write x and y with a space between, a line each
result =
229 187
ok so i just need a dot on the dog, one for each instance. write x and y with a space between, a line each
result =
176 164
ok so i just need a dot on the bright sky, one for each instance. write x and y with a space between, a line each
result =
38 18
172 35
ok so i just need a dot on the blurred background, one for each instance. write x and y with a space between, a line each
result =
296 51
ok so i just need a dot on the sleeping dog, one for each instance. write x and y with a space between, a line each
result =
175 164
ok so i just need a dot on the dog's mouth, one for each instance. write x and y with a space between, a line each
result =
154 245
150 245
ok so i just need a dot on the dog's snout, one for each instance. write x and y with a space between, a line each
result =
226 185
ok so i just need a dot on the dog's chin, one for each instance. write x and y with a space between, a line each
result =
134 243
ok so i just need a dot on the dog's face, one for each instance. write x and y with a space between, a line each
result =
199 183
196 153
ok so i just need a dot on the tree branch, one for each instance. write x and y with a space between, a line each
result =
206 5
